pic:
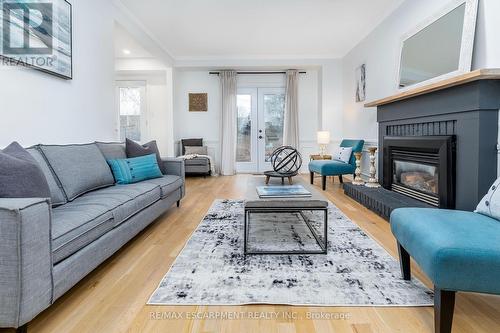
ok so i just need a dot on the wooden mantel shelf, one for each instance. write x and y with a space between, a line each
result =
480 74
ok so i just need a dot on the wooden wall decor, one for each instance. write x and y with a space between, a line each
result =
198 102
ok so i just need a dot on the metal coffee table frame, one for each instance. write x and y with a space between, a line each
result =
323 245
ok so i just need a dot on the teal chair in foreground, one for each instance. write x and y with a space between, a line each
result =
336 168
457 250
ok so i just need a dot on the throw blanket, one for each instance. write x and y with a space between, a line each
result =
210 159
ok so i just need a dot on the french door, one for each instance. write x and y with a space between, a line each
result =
259 127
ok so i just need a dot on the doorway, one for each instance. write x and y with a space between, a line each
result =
260 122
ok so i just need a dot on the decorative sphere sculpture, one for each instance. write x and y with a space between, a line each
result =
286 160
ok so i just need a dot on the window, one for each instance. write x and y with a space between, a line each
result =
132 103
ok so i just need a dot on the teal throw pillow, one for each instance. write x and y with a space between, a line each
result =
133 170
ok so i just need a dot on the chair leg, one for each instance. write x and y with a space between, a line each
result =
290 180
311 174
178 204
282 181
268 178
22 329
444 304
341 179
404 261
323 182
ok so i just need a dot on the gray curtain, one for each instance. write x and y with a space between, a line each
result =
291 126
228 122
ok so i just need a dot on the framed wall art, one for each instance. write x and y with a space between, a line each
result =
38 35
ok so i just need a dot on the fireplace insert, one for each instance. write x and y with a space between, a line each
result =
422 168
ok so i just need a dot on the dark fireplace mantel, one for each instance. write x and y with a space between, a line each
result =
469 113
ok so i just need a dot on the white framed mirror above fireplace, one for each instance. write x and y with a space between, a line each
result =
439 48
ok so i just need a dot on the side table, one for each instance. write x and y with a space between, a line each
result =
320 157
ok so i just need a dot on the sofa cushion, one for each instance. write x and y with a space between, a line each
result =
167 184
112 150
77 224
134 149
79 168
57 196
80 222
458 250
331 167
197 161
125 201
134 170
20 174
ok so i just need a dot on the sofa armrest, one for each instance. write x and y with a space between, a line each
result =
176 166
25 260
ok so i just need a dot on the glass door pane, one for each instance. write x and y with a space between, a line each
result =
274 106
131 109
130 114
244 130
271 122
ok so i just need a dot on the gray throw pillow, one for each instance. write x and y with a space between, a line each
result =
112 150
490 204
196 150
134 149
56 191
20 174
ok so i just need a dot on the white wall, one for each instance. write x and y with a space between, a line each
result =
487 47
207 124
331 99
380 52
38 107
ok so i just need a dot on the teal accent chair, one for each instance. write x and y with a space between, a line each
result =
336 168
457 250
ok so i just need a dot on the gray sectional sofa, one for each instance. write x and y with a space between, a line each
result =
48 245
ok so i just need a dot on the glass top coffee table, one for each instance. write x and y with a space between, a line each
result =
303 219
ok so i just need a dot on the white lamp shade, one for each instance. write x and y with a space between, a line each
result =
323 137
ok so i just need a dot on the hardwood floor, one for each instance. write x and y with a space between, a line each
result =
113 297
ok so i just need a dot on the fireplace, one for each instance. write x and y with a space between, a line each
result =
422 168
437 144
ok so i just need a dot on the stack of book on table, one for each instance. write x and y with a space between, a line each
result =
289 191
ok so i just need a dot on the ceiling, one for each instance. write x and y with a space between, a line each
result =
259 28
126 46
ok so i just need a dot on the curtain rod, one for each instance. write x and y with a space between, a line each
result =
256 73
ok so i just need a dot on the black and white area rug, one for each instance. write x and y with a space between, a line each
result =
212 269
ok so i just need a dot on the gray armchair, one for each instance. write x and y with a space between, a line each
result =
199 166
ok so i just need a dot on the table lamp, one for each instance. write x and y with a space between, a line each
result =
323 141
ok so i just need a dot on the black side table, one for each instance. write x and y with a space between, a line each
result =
274 174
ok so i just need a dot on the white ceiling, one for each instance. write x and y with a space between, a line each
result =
259 28
124 42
